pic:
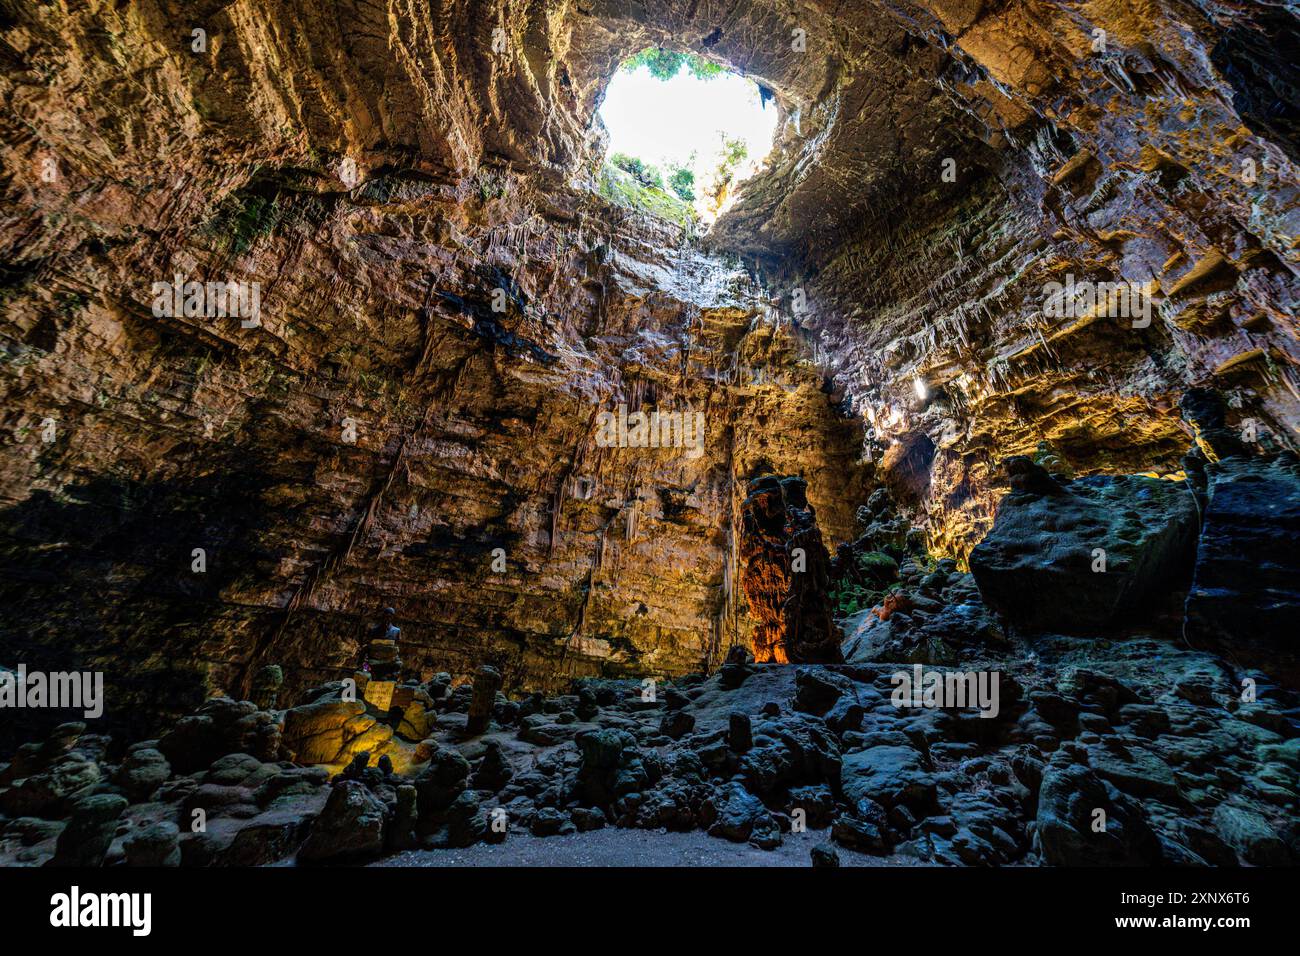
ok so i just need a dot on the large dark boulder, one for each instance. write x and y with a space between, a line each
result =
442 781
733 813
889 775
467 821
350 827
1085 821
142 772
611 767
493 771
221 726
1041 564
865 828
84 842
788 751
53 790
158 844
1245 594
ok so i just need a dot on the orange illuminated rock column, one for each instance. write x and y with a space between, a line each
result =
786 573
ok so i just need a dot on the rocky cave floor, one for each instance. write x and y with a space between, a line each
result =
1140 726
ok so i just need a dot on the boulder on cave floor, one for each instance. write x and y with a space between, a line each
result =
733 813
350 826
220 726
1255 838
253 813
888 775
332 731
1085 821
1245 594
1079 556
84 842
155 845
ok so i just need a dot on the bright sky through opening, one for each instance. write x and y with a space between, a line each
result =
665 121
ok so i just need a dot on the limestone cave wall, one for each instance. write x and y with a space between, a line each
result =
1108 142
388 172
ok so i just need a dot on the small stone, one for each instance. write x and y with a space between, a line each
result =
155 845
84 842
824 855
142 772
740 735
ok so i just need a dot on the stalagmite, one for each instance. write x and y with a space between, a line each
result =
487 681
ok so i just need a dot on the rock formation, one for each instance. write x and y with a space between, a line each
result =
785 574
1245 593
1082 553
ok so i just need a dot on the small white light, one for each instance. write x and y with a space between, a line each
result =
921 391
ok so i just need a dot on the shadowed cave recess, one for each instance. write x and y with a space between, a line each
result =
372 557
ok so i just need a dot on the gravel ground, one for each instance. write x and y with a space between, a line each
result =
618 847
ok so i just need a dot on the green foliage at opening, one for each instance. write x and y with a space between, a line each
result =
645 173
665 64
628 182
682 181
734 152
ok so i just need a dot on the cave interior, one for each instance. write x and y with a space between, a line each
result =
405 490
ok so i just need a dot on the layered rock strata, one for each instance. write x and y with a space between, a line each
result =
385 435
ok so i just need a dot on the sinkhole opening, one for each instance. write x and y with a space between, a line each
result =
683 133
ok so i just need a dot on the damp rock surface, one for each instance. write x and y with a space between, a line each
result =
1046 749
1246 587
1078 555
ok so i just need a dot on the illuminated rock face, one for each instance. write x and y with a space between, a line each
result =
204 496
786 575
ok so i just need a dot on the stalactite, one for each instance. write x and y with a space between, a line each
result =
633 512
